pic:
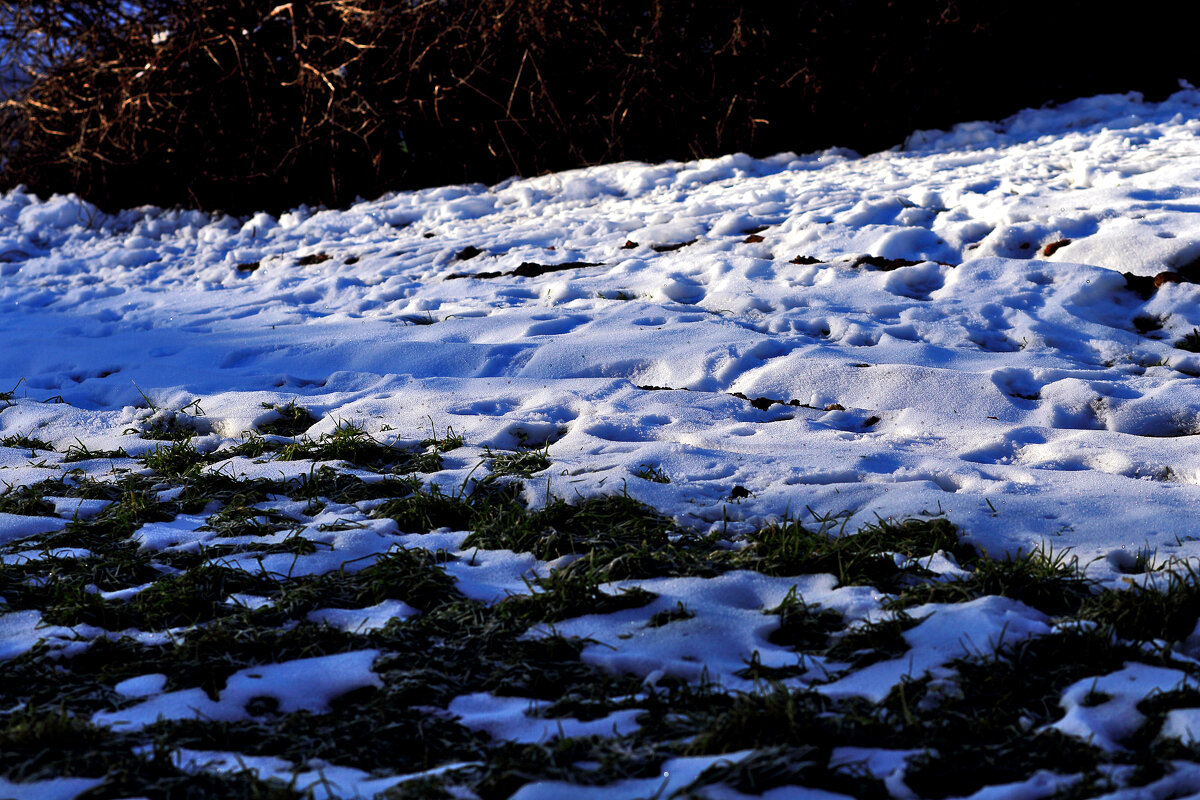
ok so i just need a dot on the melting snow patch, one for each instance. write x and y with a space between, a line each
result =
886 765
491 575
948 631
323 780
727 630
306 684
1182 724
511 719
181 533
52 789
676 774
17 526
142 685
20 631
1182 781
1041 784
1103 710
362 620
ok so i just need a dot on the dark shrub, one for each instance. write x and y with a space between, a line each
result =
243 105
225 105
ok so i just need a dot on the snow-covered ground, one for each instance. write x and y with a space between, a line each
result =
941 329
1011 389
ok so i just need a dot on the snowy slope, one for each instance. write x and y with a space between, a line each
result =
996 373
941 329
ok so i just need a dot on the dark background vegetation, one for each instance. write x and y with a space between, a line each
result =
244 105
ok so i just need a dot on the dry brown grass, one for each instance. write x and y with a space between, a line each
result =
241 105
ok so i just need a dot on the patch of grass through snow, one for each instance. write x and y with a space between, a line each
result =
983 725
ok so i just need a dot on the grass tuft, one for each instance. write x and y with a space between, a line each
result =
605 523
804 626
27 501
1190 341
176 460
27 443
651 473
1165 607
871 642
1048 581
865 557
522 464
350 443
669 615
165 426
81 452
292 420
444 444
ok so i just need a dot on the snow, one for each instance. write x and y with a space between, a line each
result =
20 631
142 685
998 371
1041 784
887 765
323 781
304 684
1183 780
1103 710
980 627
50 789
363 619
1001 376
509 718
676 774
727 626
